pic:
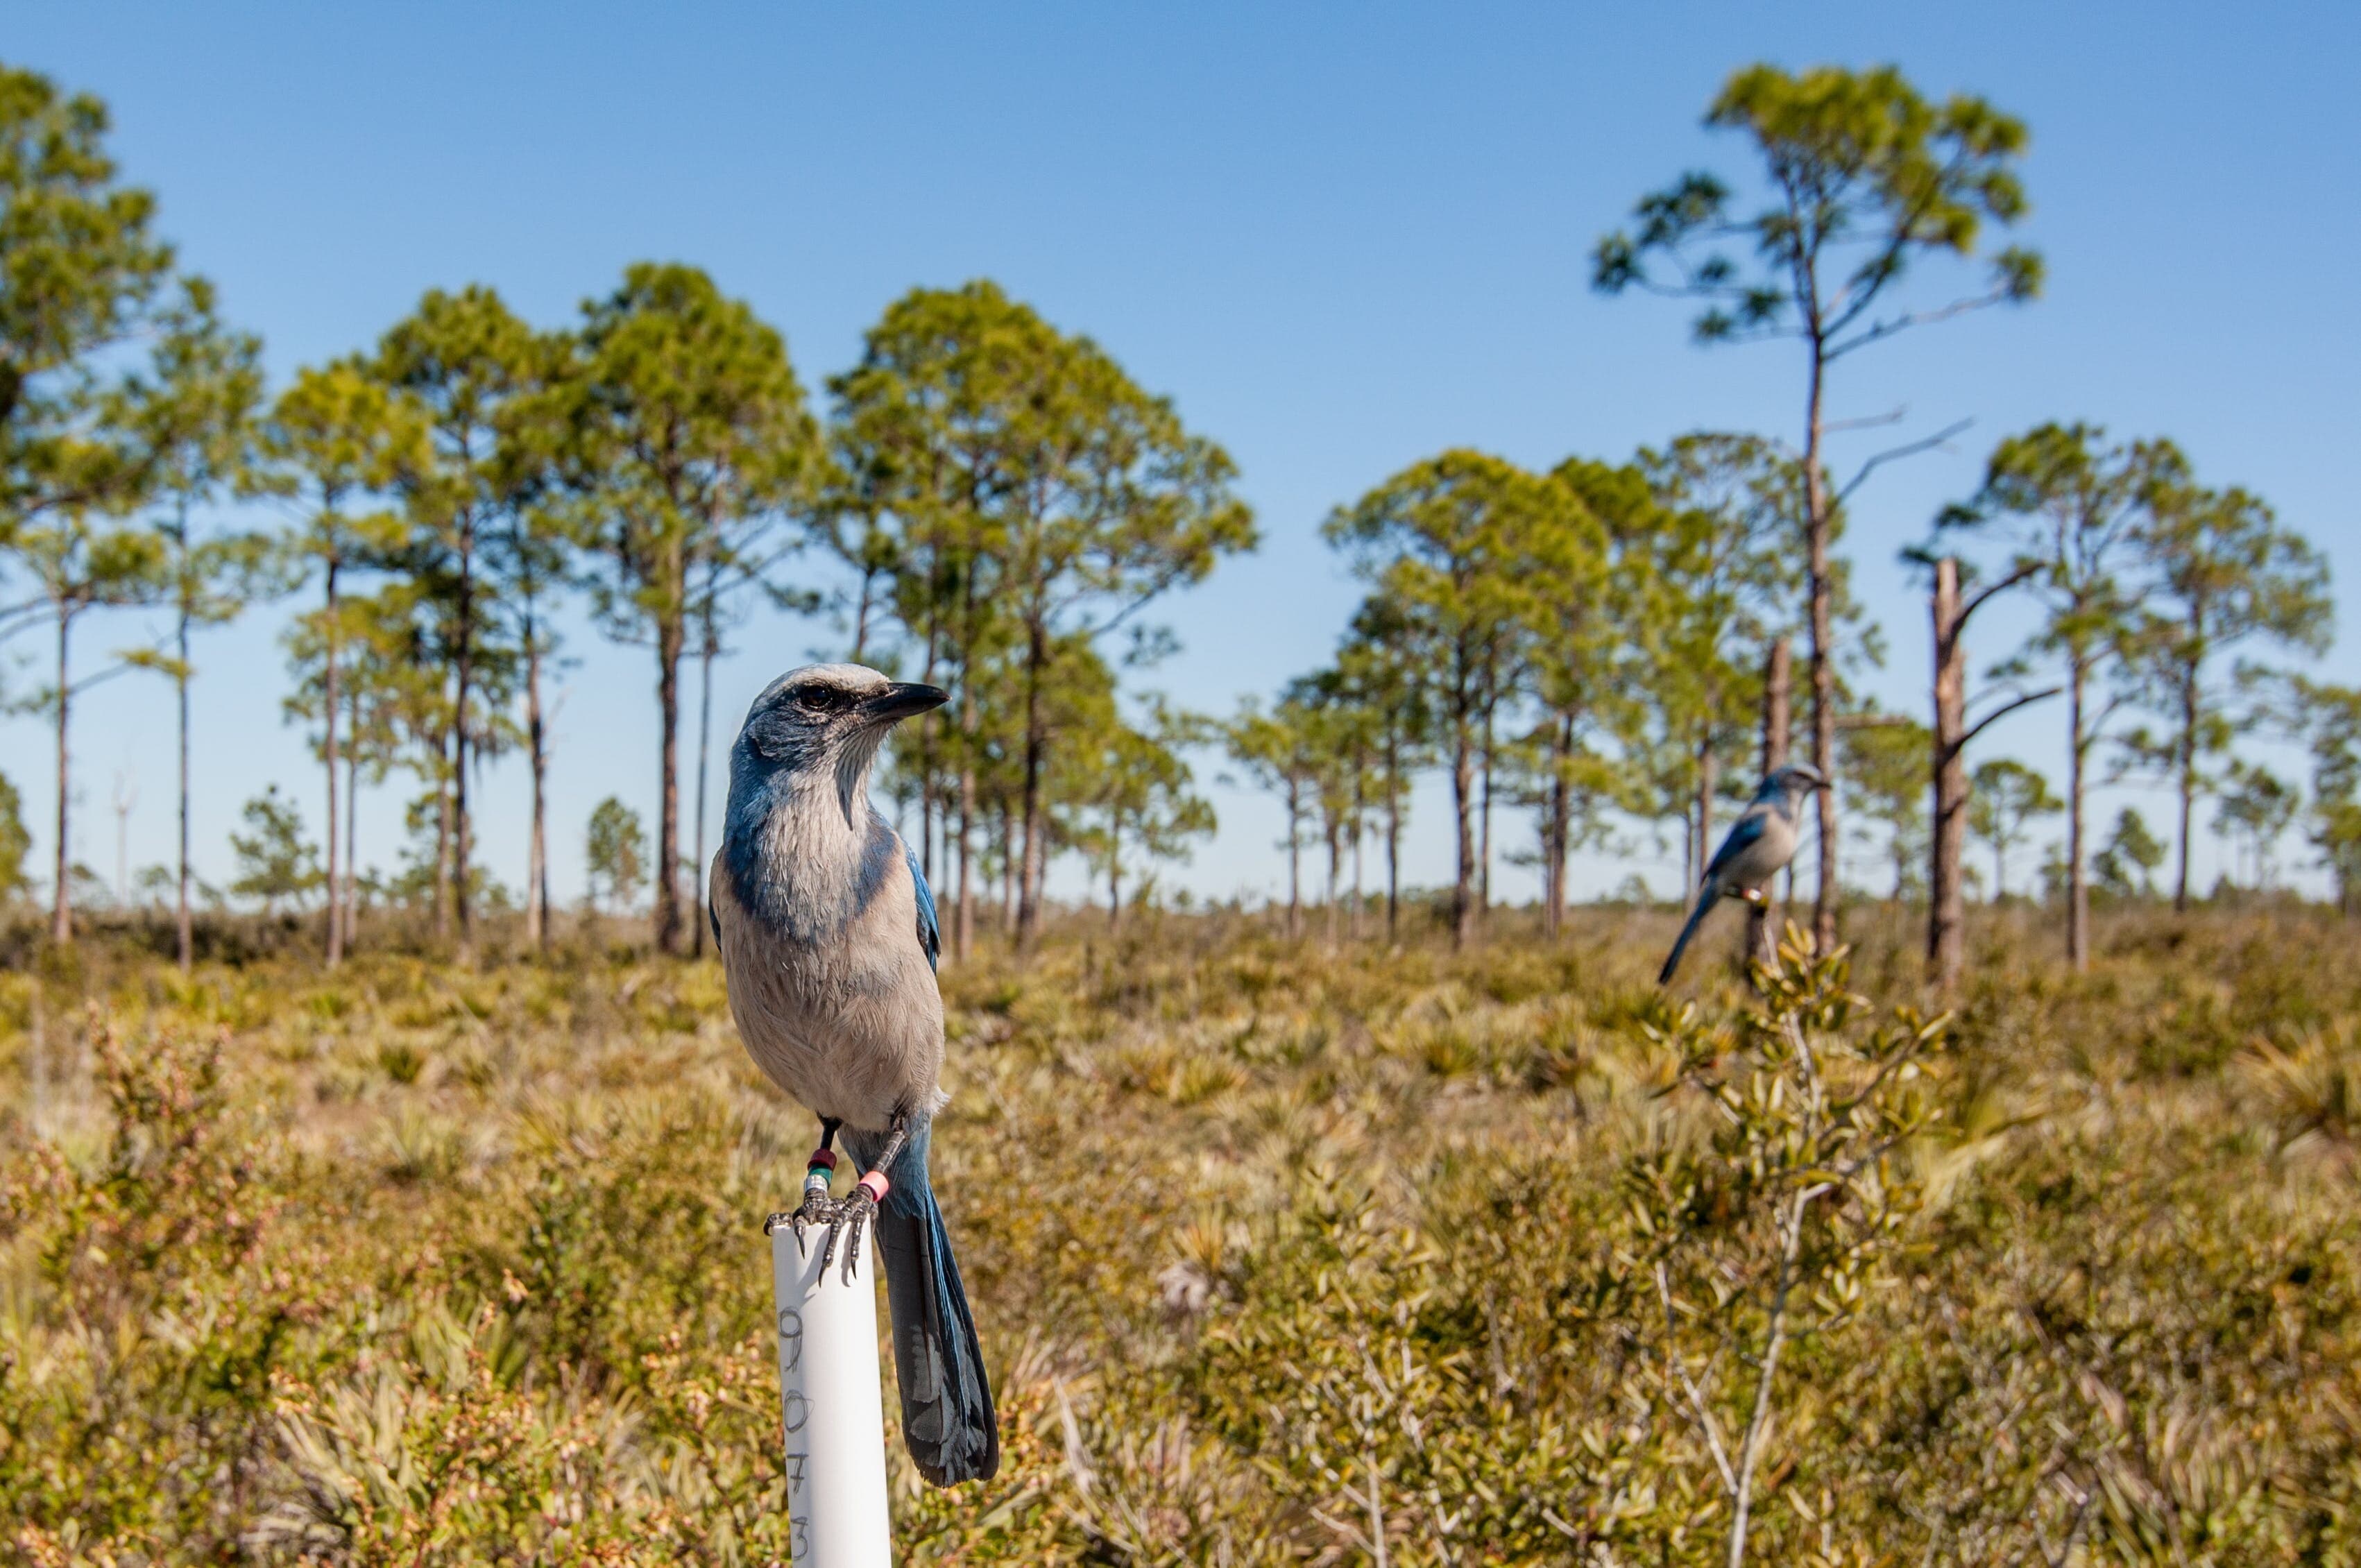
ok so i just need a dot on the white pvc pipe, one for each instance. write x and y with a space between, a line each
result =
829 1404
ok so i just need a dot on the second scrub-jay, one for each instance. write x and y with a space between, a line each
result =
1758 847
828 937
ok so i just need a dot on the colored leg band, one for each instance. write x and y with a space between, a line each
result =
875 1185
823 1159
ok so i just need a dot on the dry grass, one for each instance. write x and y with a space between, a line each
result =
445 1265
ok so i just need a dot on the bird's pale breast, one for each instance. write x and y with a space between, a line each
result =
851 1026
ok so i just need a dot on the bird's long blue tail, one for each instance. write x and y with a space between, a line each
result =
1680 944
948 1421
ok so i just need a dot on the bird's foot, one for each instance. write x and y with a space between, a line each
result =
842 1217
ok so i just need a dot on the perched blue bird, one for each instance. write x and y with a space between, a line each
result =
828 937
1758 847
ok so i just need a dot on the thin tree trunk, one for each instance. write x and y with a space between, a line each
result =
1036 746
1946 911
183 924
536 896
2078 881
860 616
1360 837
928 773
963 915
671 633
352 842
1484 852
1463 786
443 845
462 827
1335 871
1007 870
1560 828
704 751
963 923
1294 861
1778 681
1708 775
62 899
1393 845
2187 782
1823 667
1115 873
329 712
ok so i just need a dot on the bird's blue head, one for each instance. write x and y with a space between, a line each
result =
1790 784
811 736
804 849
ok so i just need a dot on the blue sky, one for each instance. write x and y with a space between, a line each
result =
1342 238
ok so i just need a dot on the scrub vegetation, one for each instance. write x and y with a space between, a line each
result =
1284 1251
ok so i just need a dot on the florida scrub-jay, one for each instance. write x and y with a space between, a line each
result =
828 937
1758 847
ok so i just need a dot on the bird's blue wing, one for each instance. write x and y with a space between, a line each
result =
931 928
1742 832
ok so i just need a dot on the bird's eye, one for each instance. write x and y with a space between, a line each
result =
823 699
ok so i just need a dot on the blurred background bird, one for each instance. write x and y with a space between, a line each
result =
828 934
1757 848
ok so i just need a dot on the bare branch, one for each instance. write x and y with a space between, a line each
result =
1705 1423
1893 454
2004 709
1885 329
1867 421
1976 600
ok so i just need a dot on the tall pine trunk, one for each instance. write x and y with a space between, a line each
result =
184 933
1393 841
1778 682
1823 667
1484 835
963 922
1463 789
670 635
2078 879
536 729
1114 872
1294 860
328 713
1008 871
1336 872
2186 781
462 827
1708 773
1036 740
1946 910
442 842
1560 828
352 845
62 898
704 750
1360 837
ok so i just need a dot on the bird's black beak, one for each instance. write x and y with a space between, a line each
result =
902 700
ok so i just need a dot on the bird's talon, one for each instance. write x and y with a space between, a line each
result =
855 1208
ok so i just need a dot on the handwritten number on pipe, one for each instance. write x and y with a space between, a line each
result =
791 1339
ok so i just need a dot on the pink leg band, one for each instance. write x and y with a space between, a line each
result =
875 1185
